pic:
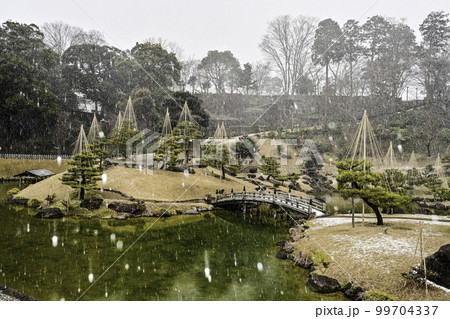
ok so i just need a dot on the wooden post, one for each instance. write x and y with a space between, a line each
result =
420 246
353 212
362 213
422 257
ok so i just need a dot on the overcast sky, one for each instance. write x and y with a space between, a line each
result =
200 25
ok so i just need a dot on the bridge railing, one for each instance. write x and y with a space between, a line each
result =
280 197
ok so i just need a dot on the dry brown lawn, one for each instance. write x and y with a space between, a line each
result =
376 256
158 186
11 167
51 185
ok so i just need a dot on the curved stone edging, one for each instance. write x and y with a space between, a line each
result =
319 283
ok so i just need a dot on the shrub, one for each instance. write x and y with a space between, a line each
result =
62 205
141 206
80 211
232 170
320 258
375 295
106 212
12 192
215 175
93 194
276 184
34 203
74 194
50 198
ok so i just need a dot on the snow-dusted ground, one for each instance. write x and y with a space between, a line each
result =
374 247
333 221
329 221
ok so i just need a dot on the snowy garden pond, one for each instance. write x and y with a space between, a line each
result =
224 257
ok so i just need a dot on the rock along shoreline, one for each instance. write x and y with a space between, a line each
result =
317 282
10 294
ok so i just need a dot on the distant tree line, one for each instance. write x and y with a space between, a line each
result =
381 57
44 72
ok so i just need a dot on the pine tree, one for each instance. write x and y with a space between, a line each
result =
356 180
270 167
83 174
216 155
120 136
98 149
180 140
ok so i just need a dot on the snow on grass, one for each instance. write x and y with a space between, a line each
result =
327 222
376 246
334 221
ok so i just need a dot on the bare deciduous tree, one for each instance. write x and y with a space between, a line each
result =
189 74
169 46
261 74
59 36
287 45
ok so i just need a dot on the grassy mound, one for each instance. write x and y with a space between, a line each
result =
161 186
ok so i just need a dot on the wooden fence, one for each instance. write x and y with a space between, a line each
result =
34 156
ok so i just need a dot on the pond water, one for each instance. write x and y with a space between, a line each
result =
223 257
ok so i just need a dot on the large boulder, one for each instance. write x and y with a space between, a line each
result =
281 243
50 213
92 203
440 206
282 255
355 293
423 211
121 207
323 284
192 211
438 268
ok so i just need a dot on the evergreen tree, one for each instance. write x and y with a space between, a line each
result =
83 174
181 140
270 167
120 136
354 181
216 156
98 149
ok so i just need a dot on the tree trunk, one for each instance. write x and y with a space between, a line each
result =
429 147
82 191
222 167
376 211
351 77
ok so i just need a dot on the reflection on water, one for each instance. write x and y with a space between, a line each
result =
224 257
